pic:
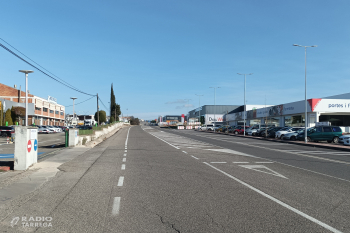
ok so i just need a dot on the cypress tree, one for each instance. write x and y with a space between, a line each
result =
8 117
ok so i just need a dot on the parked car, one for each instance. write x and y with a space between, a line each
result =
322 133
44 130
272 132
292 136
206 127
282 132
343 138
222 128
5 131
241 131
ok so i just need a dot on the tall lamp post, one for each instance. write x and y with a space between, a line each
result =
74 98
305 132
199 97
214 105
26 73
244 100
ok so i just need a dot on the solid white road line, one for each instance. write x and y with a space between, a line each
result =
116 206
194 157
123 166
127 137
124 159
278 201
121 181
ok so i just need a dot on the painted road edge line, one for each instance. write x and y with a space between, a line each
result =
164 141
120 181
278 201
116 206
127 138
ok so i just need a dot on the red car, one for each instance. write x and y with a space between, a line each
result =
238 129
241 131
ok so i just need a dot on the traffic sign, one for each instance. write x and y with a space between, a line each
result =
29 146
35 145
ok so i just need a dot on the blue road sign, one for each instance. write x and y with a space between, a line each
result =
35 145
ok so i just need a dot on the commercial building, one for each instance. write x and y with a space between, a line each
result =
216 113
40 111
335 111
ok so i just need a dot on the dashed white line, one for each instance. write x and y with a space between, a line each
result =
184 152
218 162
121 181
165 141
278 201
123 166
194 157
116 206
124 159
125 151
124 154
263 162
240 162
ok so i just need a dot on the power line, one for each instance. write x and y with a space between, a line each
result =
80 102
103 104
56 79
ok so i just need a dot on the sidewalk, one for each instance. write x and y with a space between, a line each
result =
301 143
15 183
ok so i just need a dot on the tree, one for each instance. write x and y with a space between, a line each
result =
8 117
102 115
111 119
134 121
115 108
1 114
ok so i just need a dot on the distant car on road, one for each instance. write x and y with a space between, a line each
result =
5 131
44 130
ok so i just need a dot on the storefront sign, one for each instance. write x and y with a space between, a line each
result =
52 99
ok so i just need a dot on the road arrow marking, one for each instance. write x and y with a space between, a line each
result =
264 169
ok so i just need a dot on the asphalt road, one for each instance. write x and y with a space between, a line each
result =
47 144
146 179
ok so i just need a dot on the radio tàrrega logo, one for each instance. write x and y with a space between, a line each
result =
14 221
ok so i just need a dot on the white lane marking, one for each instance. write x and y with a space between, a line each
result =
127 137
278 201
262 168
125 151
123 166
218 162
240 162
124 154
121 181
165 141
263 162
124 159
194 157
184 152
232 152
116 206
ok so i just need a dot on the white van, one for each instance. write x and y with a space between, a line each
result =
207 127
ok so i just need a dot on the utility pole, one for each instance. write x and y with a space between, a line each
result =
98 114
115 114
199 108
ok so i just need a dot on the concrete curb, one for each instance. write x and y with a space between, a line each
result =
92 144
311 144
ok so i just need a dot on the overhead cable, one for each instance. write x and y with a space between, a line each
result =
56 79
80 102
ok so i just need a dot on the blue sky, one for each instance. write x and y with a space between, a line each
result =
158 53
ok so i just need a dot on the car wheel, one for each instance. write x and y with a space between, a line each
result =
236 132
308 139
282 136
335 140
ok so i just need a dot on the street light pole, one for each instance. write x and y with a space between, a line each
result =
26 73
214 105
244 100
199 97
73 98
305 132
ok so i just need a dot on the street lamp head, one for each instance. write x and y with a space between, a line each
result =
296 45
26 71
73 98
314 46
